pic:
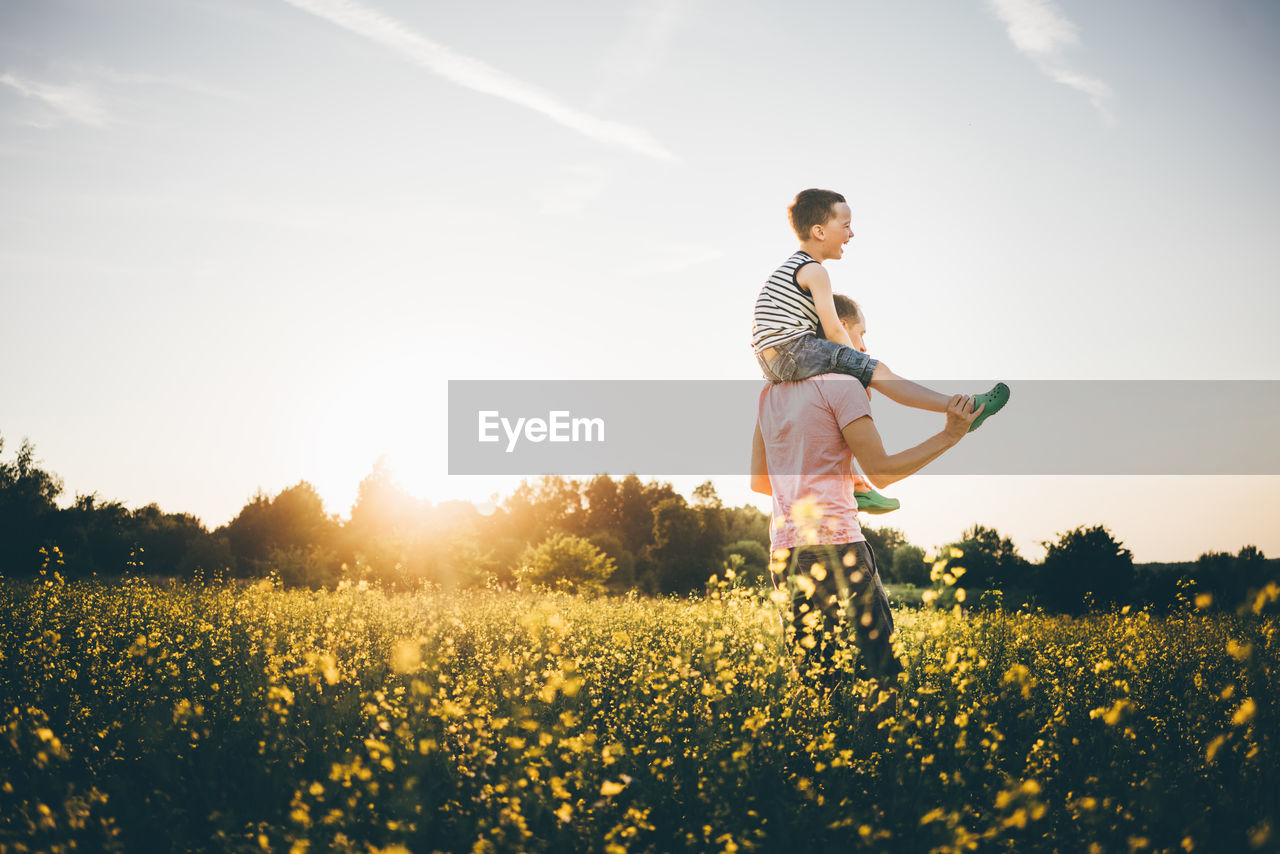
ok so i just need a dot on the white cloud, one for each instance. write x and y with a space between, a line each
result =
174 81
82 102
1098 91
1040 31
1036 27
74 102
474 74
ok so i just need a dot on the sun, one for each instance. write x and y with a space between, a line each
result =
382 409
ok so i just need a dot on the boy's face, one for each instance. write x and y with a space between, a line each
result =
856 328
836 231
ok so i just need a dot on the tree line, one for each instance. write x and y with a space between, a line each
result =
601 534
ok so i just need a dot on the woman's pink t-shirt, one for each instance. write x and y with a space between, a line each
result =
810 465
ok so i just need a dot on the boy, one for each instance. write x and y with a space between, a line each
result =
795 308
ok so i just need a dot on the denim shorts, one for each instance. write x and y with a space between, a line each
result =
809 356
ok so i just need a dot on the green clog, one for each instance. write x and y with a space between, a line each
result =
874 502
994 400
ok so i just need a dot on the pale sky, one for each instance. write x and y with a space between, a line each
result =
244 243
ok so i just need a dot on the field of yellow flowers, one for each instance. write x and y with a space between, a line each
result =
211 717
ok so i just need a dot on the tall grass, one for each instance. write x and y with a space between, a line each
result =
209 717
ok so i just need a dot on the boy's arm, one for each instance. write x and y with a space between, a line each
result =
759 465
882 469
816 278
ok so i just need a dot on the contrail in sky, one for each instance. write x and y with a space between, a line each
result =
1039 30
73 102
477 75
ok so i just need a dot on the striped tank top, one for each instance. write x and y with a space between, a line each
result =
784 310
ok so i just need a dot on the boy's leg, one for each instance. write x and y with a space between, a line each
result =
906 392
768 372
811 356
913 394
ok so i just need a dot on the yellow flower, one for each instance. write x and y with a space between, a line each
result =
805 511
1211 752
406 656
1239 651
1245 713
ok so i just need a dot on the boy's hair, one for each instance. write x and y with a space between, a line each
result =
847 309
812 207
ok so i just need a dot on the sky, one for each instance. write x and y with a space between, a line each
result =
244 244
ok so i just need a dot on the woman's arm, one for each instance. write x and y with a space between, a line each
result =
759 465
881 468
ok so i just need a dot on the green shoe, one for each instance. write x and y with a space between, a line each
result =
995 401
874 502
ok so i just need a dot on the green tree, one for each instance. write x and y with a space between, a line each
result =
990 560
96 536
566 562
640 508
704 495
385 526
908 566
685 551
450 549
601 505
28 514
747 522
305 566
290 523
1085 564
546 506
755 558
883 541
176 544
1230 578
711 528
624 577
